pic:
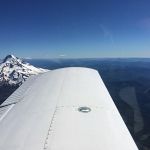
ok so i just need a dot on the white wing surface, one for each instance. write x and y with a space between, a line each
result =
64 109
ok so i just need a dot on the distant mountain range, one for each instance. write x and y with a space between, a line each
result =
14 71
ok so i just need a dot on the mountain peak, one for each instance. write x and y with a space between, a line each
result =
14 71
9 57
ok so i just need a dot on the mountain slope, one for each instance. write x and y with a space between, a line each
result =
13 71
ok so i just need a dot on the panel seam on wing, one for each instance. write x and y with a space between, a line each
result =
49 130
53 117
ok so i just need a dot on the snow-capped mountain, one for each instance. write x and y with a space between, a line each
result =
14 71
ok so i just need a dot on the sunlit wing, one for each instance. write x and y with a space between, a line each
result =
64 109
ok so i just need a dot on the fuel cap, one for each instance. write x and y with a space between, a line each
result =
84 109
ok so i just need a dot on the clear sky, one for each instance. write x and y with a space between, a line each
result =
75 28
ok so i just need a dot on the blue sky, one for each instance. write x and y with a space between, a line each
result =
75 28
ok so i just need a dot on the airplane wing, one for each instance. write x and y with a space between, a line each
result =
64 109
